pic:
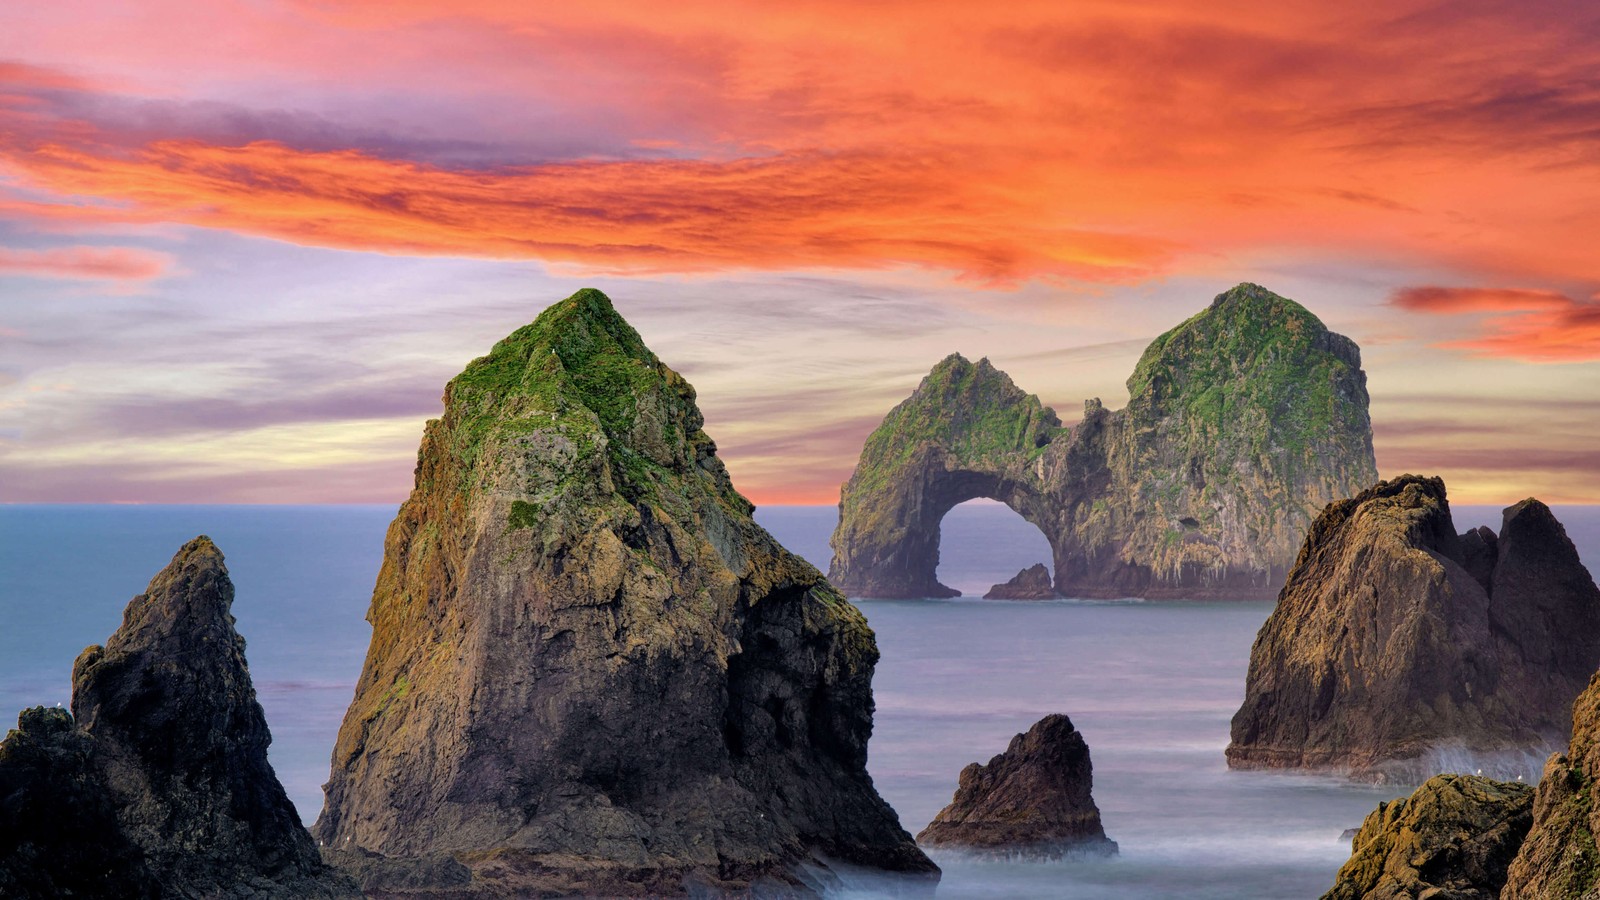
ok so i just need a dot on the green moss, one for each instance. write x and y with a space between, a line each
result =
398 691
523 514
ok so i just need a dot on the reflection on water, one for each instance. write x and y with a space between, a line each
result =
1151 685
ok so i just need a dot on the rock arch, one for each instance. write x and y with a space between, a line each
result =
1242 423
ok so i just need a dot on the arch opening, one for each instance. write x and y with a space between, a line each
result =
983 542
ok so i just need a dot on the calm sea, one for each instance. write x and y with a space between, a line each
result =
1151 685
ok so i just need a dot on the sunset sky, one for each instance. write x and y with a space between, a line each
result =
244 244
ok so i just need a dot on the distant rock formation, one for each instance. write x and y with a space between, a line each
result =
1395 637
1032 801
1241 424
591 672
1454 837
1032 583
1561 855
162 787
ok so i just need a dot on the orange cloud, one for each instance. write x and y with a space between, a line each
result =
1530 325
94 263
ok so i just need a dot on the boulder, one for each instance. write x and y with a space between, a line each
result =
1032 583
1033 801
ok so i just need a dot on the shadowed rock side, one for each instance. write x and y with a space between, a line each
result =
590 670
1560 857
1395 637
1453 837
1242 423
162 787
1032 583
1034 800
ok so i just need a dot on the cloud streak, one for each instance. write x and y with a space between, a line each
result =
1529 325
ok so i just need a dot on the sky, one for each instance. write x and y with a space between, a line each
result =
243 244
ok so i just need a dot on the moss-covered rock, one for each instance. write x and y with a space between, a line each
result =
591 671
1242 423
1560 859
1454 838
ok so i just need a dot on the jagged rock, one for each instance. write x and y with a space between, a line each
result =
1394 638
590 670
1561 857
161 787
1241 424
1032 583
1032 801
1454 838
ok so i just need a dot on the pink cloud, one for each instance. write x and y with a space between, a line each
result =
87 263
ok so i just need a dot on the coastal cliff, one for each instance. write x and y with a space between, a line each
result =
1395 638
1242 423
157 784
591 672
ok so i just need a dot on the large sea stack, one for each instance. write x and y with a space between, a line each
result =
591 671
1395 638
1241 424
157 784
1034 801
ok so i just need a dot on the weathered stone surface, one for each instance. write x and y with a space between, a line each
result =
1454 838
1242 423
590 670
1395 638
1032 583
1033 800
1560 857
162 787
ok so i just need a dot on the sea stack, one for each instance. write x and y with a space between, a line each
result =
1241 424
1395 638
591 672
1032 583
1454 837
157 784
1034 801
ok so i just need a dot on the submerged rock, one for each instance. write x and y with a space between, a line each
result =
1032 801
161 786
1395 638
590 670
1454 837
1241 424
1032 583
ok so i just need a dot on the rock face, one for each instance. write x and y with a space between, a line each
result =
1454 837
1034 800
1561 857
1395 637
590 670
1242 423
1032 583
162 787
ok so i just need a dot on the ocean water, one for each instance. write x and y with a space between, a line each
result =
1151 685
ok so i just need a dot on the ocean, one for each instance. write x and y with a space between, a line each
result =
1151 685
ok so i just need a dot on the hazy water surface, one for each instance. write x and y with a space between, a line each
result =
1151 685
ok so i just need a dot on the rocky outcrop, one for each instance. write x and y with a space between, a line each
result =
1032 583
1561 856
1032 801
1395 638
590 670
1454 837
158 783
1241 424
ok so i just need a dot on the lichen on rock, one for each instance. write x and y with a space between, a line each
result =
1242 423
590 670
